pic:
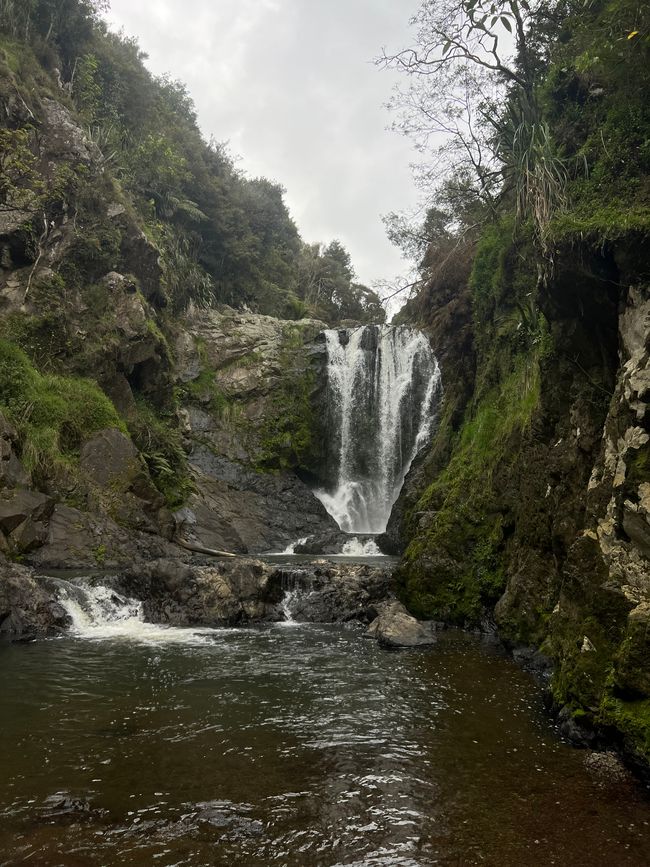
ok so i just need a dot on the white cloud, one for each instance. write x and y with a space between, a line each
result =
291 85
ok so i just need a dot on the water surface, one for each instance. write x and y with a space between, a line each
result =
293 745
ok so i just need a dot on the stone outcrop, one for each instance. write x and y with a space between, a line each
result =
531 505
27 609
237 509
221 595
240 376
231 592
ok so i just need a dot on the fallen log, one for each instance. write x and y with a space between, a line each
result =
199 549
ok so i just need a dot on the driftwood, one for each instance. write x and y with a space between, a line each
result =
199 549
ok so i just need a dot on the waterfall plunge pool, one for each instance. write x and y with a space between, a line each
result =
301 745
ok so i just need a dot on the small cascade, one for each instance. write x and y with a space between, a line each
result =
97 611
293 585
291 547
95 608
383 388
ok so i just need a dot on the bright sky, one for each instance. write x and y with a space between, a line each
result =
292 87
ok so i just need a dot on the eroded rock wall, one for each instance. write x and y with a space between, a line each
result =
529 514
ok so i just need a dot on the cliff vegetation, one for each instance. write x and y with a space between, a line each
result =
530 510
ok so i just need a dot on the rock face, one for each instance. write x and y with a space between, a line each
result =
23 518
331 593
240 591
531 505
225 594
237 509
249 384
27 610
394 627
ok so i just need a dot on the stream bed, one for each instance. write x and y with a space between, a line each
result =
293 745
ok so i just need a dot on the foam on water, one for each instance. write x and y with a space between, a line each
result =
356 547
98 612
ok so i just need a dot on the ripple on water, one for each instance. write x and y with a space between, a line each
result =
295 747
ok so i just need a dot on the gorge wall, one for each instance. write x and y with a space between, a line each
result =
530 509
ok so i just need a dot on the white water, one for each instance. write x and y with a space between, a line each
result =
383 388
291 548
358 548
98 612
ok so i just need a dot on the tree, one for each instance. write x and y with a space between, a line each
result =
472 57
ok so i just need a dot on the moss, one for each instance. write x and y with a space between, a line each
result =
205 391
157 437
53 414
629 718
598 223
455 566
287 438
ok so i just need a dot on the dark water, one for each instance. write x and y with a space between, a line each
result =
301 745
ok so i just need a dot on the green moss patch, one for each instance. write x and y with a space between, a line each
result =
53 414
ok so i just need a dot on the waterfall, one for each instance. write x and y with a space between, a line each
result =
99 612
383 386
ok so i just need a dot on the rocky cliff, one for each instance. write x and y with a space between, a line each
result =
530 511
126 424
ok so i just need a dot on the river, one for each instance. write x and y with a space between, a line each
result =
293 745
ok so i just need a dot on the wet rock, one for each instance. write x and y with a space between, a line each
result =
62 807
330 542
110 458
573 730
238 509
27 610
19 506
220 595
395 627
334 593
530 658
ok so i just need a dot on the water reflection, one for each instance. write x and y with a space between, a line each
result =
305 746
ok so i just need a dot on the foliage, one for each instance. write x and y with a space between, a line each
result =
21 185
223 237
53 414
156 435
464 528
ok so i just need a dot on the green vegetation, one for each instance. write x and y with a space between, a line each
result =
54 415
463 524
288 432
222 237
542 184
155 434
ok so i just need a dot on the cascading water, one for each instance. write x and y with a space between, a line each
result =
98 612
383 387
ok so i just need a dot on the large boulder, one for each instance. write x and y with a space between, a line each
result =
223 594
394 627
27 610
20 505
110 458
80 540
121 482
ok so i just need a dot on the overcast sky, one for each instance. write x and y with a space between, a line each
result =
291 85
